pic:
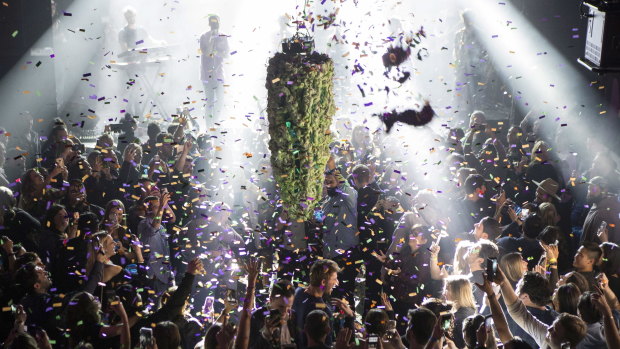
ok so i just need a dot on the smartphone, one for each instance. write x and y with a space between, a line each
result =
488 321
231 296
391 332
373 341
517 209
208 306
491 268
445 320
601 228
146 337
110 296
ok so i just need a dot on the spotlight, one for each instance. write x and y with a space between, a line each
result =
602 52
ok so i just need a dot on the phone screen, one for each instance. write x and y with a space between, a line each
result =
445 321
231 296
491 268
602 228
146 336
488 321
373 341
524 213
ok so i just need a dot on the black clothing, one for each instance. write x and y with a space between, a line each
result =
257 341
302 306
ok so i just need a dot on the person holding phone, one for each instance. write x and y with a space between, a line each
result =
153 235
458 290
274 323
604 214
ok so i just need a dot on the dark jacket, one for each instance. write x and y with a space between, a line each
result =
605 210
302 306
257 341
168 312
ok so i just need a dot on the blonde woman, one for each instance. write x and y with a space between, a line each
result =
540 167
514 267
549 214
458 290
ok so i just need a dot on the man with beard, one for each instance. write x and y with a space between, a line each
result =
323 279
604 207
339 226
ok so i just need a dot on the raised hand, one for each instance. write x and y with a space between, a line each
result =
513 214
601 304
7 245
20 314
195 267
551 251
385 301
130 155
343 340
343 305
187 146
380 256
164 198
252 269
603 282
486 287
540 269
435 248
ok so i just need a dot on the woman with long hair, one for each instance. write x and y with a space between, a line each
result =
458 290
35 193
57 227
115 224
102 243
565 299
514 267
540 167
83 321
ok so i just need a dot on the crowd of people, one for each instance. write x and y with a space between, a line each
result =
126 243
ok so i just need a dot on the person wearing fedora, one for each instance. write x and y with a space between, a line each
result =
546 191
603 213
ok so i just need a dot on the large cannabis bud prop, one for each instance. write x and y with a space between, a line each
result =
300 107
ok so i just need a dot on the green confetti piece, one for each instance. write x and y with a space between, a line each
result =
15 33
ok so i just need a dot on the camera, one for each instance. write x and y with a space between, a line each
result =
116 128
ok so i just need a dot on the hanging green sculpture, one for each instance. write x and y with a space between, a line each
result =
300 108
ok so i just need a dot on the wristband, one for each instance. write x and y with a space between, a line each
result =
553 260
